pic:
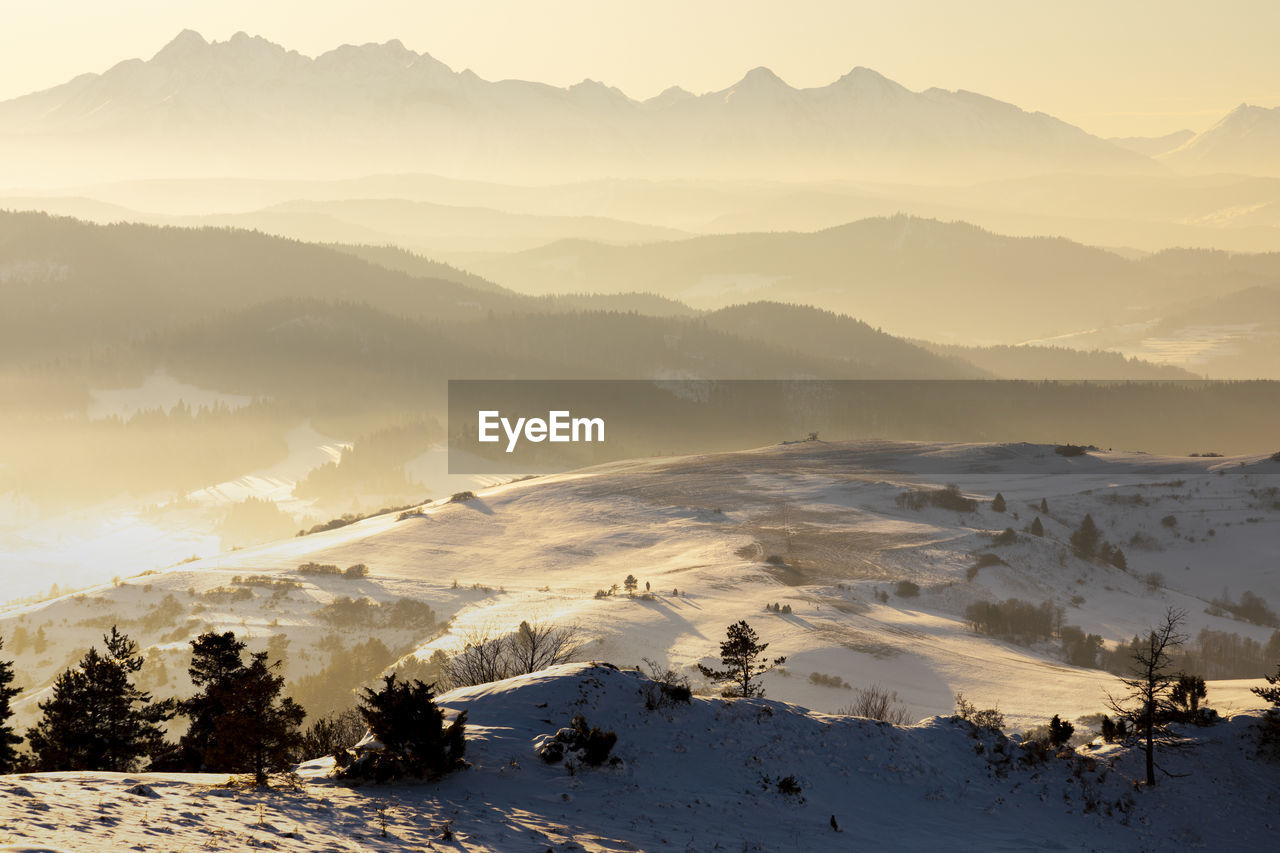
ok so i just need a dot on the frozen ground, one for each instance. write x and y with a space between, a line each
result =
697 777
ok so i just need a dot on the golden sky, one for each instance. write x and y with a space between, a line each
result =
1123 67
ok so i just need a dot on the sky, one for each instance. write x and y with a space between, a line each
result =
1136 67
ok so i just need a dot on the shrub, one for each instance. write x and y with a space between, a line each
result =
462 497
987 718
588 743
1060 732
998 504
1006 537
666 687
412 738
1072 449
907 589
331 734
823 680
359 570
877 703
949 497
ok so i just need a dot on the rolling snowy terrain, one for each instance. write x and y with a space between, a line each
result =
754 775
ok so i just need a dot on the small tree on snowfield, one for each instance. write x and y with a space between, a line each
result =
8 740
1149 686
742 656
257 731
1037 527
1060 732
404 718
215 659
1085 539
999 505
630 584
96 718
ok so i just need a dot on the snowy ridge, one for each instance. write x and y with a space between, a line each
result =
696 777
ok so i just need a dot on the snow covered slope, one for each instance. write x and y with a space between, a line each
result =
755 775
813 526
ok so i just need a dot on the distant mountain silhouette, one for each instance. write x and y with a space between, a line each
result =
1245 141
249 107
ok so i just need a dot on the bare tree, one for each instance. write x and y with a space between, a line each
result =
1146 702
535 645
877 703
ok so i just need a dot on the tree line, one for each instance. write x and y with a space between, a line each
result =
239 722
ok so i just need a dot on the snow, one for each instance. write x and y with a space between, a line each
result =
697 777
541 548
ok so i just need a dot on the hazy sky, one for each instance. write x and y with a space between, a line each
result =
1114 67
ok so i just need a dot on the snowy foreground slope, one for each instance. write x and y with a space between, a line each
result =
697 777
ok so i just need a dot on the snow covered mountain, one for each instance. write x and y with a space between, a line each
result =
247 106
1245 141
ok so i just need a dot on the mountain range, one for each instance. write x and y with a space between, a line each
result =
249 107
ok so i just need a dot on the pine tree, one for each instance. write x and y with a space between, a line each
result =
998 505
96 718
1044 505
257 732
1085 539
740 653
239 722
1185 696
416 743
1060 732
1037 527
8 739
630 584
215 658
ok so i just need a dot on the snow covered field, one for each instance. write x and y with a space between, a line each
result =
698 777
812 525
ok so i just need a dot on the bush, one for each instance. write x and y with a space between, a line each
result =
877 703
823 680
949 497
359 570
907 589
1060 732
331 734
666 687
987 718
1006 537
1072 449
533 646
462 497
412 740
588 743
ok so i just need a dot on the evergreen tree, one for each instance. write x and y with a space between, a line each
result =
415 742
1085 539
740 653
239 722
96 718
8 739
1044 506
999 505
1272 693
630 584
258 732
215 659
1185 697
1037 527
1060 732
